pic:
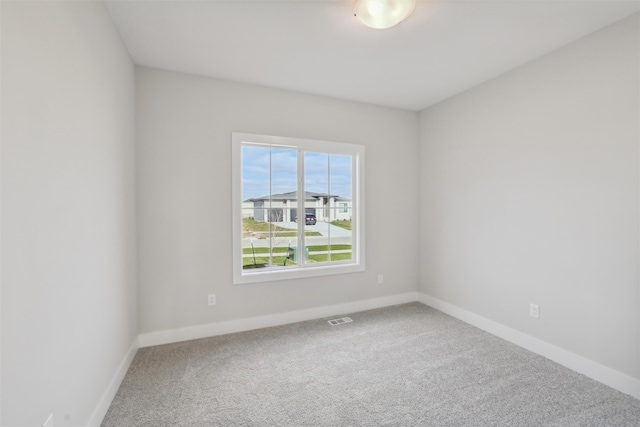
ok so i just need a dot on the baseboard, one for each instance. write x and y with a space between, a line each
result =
591 369
212 329
112 389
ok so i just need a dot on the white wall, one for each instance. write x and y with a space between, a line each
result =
68 242
529 193
184 185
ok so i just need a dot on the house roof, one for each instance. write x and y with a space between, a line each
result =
292 195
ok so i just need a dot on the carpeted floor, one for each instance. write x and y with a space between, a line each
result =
408 365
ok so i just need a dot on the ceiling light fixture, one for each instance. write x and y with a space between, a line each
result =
381 14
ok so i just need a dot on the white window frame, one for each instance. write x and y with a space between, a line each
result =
356 264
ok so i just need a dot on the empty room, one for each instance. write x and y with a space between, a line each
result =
320 213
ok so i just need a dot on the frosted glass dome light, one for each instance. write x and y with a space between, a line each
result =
381 14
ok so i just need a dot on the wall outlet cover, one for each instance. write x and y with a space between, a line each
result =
534 310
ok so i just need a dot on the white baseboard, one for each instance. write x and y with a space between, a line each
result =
591 369
240 325
114 385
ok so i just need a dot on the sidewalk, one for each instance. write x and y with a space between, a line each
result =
339 236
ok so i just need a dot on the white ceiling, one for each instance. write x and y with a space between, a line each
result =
319 47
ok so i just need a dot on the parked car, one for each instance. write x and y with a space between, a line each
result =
310 219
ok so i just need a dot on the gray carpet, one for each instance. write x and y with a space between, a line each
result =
408 365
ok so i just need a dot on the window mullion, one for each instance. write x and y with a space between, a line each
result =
302 211
355 205
269 209
329 207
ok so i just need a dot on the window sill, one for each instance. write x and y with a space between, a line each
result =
295 273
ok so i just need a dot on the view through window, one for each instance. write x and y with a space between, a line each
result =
299 205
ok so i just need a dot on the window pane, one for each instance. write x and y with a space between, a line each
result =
316 185
255 204
284 180
255 173
340 176
284 238
341 237
255 242
316 241
284 177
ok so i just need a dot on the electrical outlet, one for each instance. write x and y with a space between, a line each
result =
212 299
380 279
49 422
534 310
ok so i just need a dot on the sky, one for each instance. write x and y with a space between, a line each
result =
323 173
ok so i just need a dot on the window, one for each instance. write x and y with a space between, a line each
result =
297 208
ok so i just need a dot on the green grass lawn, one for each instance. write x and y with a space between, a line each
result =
264 250
251 226
325 247
334 257
342 224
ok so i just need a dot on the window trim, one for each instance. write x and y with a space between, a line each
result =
241 276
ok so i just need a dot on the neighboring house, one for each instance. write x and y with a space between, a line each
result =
284 207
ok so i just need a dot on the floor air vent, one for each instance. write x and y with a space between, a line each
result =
340 321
